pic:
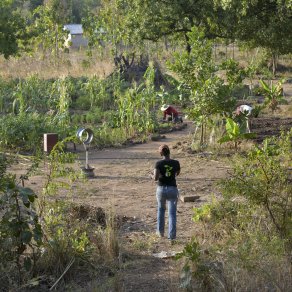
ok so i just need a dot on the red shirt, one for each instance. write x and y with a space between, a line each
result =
171 111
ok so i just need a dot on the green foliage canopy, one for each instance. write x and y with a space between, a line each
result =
12 28
261 23
48 27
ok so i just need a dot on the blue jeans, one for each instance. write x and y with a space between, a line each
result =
169 194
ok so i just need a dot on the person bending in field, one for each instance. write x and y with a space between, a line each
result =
243 113
164 174
245 109
170 114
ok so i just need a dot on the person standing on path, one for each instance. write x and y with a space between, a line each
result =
164 174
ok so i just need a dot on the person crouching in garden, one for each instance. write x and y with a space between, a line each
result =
170 114
164 174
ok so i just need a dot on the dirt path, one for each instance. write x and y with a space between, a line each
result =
122 183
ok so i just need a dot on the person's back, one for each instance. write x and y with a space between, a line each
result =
168 169
165 173
172 113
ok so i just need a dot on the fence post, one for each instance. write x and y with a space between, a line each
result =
50 140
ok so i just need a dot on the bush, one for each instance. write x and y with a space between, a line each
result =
23 132
243 241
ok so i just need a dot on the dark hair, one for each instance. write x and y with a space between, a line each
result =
164 150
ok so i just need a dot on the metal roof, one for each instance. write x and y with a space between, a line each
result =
74 28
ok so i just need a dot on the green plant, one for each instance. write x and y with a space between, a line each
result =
209 94
23 132
196 273
273 94
262 179
95 91
21 233
257 109
234 134
65 242
246 234
136 106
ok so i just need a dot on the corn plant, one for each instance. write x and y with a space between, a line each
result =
31 94
62 88
92 89
136 106
19 104
6 95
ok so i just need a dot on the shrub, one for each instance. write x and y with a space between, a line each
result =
20 231
262 179
243 240
23 132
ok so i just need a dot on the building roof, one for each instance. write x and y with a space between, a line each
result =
74 28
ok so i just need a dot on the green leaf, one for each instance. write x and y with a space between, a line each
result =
248 135
27 191
26 236
232 127
32 197
27 196
27 263
225 139
264 85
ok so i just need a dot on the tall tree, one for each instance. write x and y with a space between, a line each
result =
12 28
262 23
80 9
136 20
33 4
49 23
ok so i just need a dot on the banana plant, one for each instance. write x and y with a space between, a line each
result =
273 94
234 134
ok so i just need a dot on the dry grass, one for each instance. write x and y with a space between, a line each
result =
75 63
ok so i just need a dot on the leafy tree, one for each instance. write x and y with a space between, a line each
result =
209 95
261 23
81 8
48 26
137 20
12 28
33 4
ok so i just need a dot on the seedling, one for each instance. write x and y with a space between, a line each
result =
234 134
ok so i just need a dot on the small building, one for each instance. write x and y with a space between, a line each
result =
75 38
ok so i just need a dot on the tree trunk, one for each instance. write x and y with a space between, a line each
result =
188 46
202 134
274 64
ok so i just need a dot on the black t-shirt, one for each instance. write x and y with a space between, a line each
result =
167 169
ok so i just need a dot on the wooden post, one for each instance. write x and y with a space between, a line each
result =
50 140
